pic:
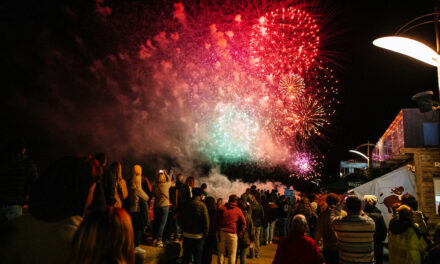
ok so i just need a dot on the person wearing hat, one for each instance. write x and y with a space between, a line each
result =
380 232
405 241
194 222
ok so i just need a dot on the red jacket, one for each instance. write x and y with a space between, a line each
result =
299 249
229 218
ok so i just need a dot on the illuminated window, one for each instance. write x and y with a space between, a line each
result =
437 192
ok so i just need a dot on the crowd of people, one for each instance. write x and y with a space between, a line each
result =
81 211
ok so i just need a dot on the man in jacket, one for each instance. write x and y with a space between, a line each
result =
324 229
230 221
194 221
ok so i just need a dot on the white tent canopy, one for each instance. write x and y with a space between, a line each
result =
388 188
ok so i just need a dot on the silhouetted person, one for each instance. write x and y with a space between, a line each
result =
257 214
194 220
179 195
325 231
58 202
256 193
247 237
100 197
283 217
210 241
17 173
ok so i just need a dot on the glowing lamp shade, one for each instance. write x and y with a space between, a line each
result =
409 47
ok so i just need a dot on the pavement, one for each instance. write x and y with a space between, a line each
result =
266 255
171 252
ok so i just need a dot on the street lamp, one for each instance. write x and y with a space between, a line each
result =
360 154
367 157
413 48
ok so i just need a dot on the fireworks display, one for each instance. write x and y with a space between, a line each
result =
292 86
252 84
304 165
285 41
232 135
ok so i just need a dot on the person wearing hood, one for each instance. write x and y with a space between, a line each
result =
380 232
417 216
405 241
297 245
325 231
58 202
138 207
230 221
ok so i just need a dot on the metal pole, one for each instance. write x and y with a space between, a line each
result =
437 46
436 30
368 154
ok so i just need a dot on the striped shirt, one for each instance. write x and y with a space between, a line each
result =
355 234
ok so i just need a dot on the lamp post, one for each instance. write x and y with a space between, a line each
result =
413 48
367 157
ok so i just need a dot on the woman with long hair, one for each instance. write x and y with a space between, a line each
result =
219 203
191 183
104 237
161 206
138 206
304 208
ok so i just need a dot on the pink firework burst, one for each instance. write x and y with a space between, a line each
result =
305 165
284 41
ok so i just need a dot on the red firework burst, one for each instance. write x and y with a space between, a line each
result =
284 41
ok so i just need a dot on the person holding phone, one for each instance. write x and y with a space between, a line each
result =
161 206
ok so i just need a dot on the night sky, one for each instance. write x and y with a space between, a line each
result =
374 83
